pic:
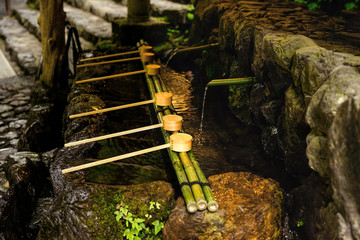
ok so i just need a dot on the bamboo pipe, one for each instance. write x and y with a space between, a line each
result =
231 81
170 123
192 176
141 50
175 160
189 170
161 99
151 69
212 205
179 142
197 47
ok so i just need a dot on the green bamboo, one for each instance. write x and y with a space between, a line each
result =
211 202
188 49
189 169
192 176
231 81
191 206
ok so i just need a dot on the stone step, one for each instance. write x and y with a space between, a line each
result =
89 26
110 10
29 19
23 47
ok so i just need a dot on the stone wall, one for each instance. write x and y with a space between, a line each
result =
306 101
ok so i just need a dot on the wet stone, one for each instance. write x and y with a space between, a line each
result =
22 109
14 142
10 135
4 129
1 123
17 103
5 108
8 114
18 124
6 152
4 183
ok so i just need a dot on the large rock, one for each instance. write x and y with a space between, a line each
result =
87 211
344 144
249 208
312 67
343 83
295 131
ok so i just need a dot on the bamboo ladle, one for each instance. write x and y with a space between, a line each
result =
161 99
179 142
145 57
151 69
170 123
141 50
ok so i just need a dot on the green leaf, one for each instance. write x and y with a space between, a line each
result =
190 16
158 226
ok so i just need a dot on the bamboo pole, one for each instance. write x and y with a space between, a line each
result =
111 76
109 56
111 109
174 157
231 81
188 49
212 205
118 134
108 62
191 174
116 158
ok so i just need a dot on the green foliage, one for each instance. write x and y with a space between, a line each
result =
328 4
300 223
114 216
141 225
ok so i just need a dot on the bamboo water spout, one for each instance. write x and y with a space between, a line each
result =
161 99
170 123
231 81
151 69
179 142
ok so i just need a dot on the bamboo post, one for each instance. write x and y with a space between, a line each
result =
118 134
231 81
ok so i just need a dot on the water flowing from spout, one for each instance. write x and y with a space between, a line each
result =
202 113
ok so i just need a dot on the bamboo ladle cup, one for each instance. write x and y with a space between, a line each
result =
141 50
161 99
179 142
145 57
151 69
170 123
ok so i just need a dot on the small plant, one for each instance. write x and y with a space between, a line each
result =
138 227
300 223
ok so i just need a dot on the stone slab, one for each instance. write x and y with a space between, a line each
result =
24 48
6 71
89 26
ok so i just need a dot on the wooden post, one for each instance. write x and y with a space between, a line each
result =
52 27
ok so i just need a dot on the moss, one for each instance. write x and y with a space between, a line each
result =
239 101
104 202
